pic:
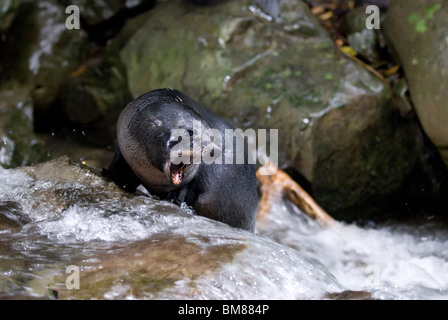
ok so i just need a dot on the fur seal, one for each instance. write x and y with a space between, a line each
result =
224 191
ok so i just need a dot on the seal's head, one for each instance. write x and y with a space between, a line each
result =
157 143
161 158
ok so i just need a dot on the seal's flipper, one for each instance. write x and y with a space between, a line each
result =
120 173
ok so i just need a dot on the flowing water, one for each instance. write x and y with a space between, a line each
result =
289 257
393 261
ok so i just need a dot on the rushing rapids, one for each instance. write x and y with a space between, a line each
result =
138 247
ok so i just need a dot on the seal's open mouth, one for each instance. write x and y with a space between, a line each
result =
177 173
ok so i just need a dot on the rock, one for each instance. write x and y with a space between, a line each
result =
132 246
77 87
271 65
18 144
100 87
64 170
104 19
11 216
8 10
367 43
351 295
417 33
40 52
148 267
61 172
94 157
98 11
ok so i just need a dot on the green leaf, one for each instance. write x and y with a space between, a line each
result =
432 9
414 18
421 26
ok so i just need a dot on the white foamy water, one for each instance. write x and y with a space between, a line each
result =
290 256
391 262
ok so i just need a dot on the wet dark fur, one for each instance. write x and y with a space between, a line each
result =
223 192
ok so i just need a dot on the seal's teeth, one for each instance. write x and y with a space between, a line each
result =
177 174
176 179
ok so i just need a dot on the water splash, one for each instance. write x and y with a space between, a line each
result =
391 262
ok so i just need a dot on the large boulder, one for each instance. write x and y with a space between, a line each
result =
271 65
77 87
19 145
418 33
40 52
100 86
8 10
96 12
89 102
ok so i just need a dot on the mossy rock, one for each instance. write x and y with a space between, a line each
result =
418 34
8 10
40 52
275 67
18 144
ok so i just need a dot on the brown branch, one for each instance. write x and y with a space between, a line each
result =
280 184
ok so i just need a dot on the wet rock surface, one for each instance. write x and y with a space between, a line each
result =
146 268
39 52
135 246
19 145
417 33
276 67
8 10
